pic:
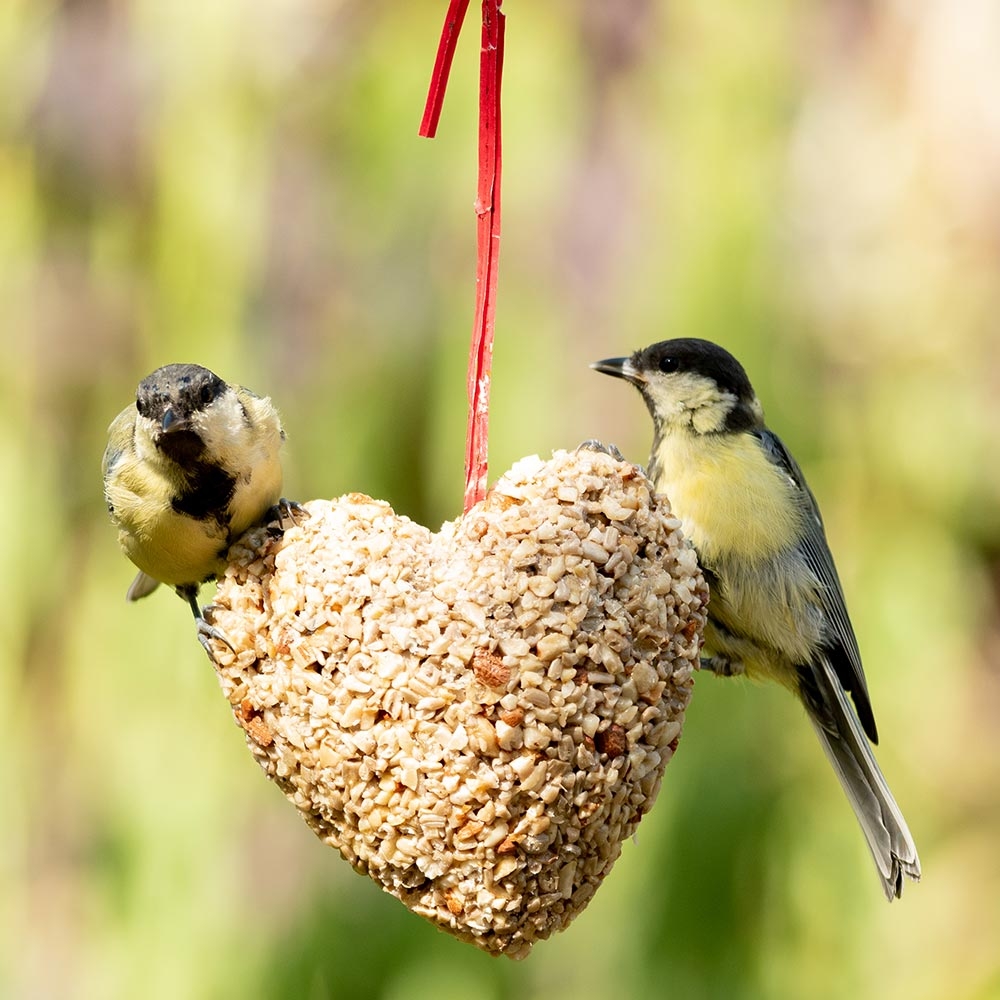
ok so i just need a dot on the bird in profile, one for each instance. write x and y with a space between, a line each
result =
776 608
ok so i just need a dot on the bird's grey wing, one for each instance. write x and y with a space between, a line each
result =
843 646
120 432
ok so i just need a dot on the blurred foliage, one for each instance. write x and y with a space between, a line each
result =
814 184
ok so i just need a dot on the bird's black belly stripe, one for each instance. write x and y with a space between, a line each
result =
209 491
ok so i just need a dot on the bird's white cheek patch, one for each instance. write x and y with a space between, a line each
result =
477 718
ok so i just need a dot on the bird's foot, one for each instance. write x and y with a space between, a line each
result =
283 515
721 666
608 449
202 616
207 632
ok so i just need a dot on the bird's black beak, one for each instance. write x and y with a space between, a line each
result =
172 423
620 368
178 439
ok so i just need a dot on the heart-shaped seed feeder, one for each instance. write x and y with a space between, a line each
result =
477 718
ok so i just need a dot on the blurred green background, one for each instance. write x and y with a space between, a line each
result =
815 184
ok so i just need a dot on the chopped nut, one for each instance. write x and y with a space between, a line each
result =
612 741
471 829
259 731
497 503
507 865
508 845
552 645
512 718
490 669
254 726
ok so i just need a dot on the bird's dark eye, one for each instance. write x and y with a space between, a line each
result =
669 364
207 394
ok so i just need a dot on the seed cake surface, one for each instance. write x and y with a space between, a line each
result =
476 718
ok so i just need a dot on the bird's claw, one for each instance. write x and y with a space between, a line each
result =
721 666
207 632
283 515
608 449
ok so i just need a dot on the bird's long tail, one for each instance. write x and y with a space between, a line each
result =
851 755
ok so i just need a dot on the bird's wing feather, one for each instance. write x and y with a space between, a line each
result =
843 651
142 586
119 435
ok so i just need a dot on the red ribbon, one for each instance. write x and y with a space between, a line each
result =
442 67
488 219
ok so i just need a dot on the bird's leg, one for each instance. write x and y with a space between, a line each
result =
722 666
206 631
283 515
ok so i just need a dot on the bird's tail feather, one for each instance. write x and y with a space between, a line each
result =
851 755
142 586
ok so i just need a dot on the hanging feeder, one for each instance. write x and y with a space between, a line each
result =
475 718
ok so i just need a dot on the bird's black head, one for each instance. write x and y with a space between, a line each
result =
179 391
697 357
171 397
690 381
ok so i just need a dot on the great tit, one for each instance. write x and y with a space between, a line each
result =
189 467
776 608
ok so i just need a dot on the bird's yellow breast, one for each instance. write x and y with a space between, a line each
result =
166 545
730 497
